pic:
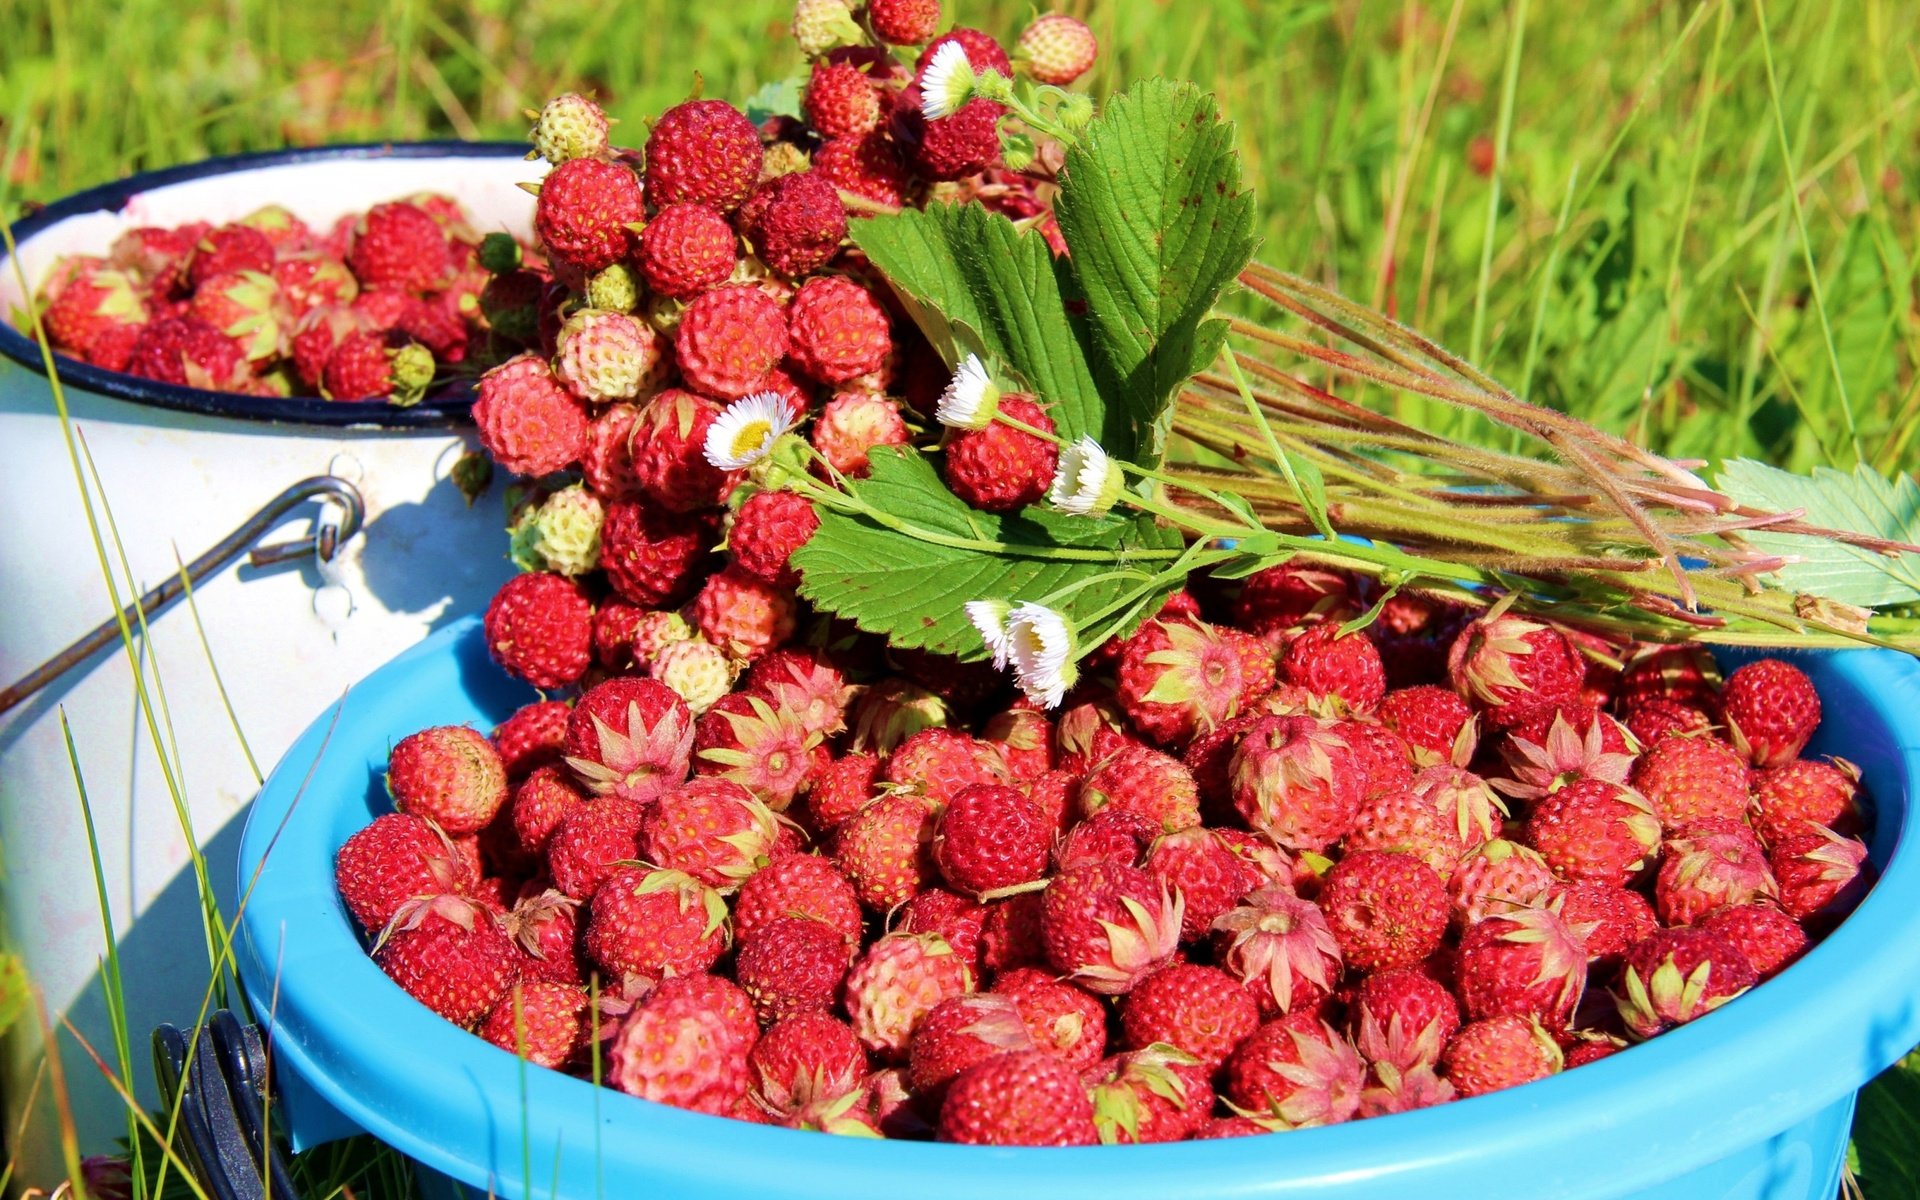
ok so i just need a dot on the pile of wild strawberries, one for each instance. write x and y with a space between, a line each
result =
1254 875
372 308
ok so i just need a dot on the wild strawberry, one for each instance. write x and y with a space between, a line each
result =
768 528
841 790
364 367
1200 1011
1500 1052
1056 48
1796 796
713 829
651 555
1029 1098
743 615
155 257
1280 948
1000 468
1693 778
983 53
763 748
686 1045
546 925
728 339
630 737
1204 868
1514 669
558 533
1063 1020
583 211
1107 925
1680 674
1493 877
1144 781
526 420
955 918
449 953
853 423
1673 976
1658 718
1592 1049
1296 1069
884 850
990 837
795 885
539 803
686 249
1526 962
1769 938
450 775
1592 831
1115 835
1155 1094
805 1062
567 127
590 842
653 923
227 250
1551 752
841 100
837 330
668 461
1435 723
956 146
1821 875
396 858
697 670
868 166
545 1022
1608 917
793 965
1024 737
1278 599
1295 782
188 352
1710 863
1404 822
702 152
1402 1019
1179 678
960 1033
938 763
1384 759
896 983
904 22
795 223
1385 910
1012 935
607 356
246 306
1326 663
1772 710
398 245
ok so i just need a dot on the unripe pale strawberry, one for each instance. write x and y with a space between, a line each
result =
1494 876
607 356
1056 48
899 980
853 423
567 127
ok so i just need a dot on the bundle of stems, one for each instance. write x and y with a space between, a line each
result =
1587 527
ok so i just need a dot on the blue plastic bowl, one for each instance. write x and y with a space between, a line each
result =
1751 1101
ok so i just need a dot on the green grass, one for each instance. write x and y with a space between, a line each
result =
1694 222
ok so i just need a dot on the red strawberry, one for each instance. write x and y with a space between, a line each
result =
1209 874
546 924
686 1045
1385 910
1494 876
743 615
534 736
93 305
1772 710
896 983
1025 1099
398 245
838 332
938 763
539 628
1295 782
583 211
954 917
1821 874
1525 962
526 420
395 859
1514 669
1012 935
1280 948
1200 1011
1001 468
805 1062
713 829
841 100
884 850
1550 752
188 352
1143 781
1404 822
1297 1070
1682 674
1794 797
540 802
544 1021
1609 918
1346 668
1435 722
227 250
1402 1019
686 249
763 748
653 923
795 223
631 738
589 843
1064 1020
1116 835
1157 1094
703 152
1592 831
1693 778
1384 759
1710 863
1107 926
728 339
651 556
841 790
1769 938
990 837
960 1033
796 885
768 528
1659 718
1673 976
869 167
904 22
1500 1052
450 775
449 953
1180 678
792 965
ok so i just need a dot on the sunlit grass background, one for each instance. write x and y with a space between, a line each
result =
1693 222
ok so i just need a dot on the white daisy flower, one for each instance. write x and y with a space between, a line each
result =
971 397
1040 644
1086 483
746 431
990 618
948 82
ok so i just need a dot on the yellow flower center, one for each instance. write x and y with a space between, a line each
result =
752 436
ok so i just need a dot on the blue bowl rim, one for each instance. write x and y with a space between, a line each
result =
1582 1133
445 406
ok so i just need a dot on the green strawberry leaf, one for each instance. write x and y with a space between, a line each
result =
1861 502
976 282
1151 208
776 98
912 590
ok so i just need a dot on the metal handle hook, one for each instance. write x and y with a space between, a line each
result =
323 543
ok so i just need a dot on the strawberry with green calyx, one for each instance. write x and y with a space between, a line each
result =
1401 1019
1137 779
1494 876
1295 782
713 829
1526 962
1107 926
1514 669
1593 831
1280 949
1178 678
656 922
1463 800
1157 1093
1296 1070
766 748
1711 863
1435 722
1674 976
631 738
1541 764
1821 874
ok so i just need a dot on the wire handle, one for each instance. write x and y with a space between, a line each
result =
219 1074
322 543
